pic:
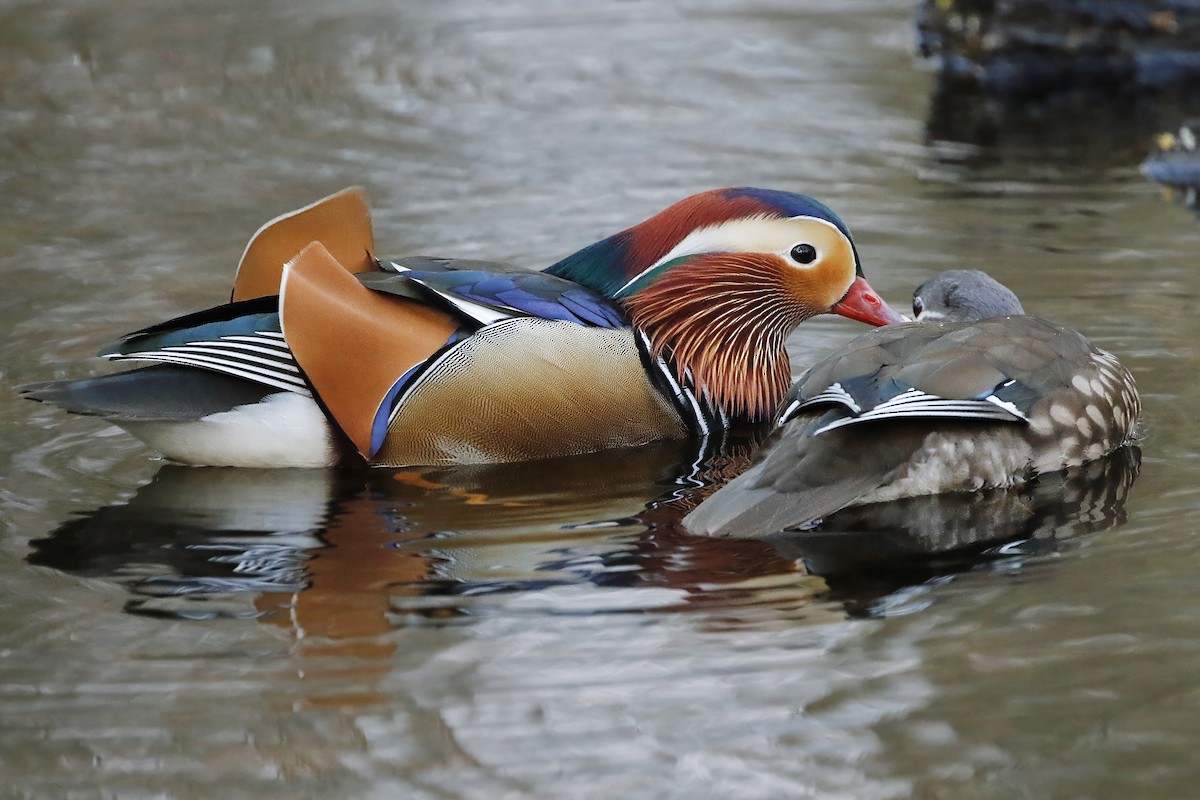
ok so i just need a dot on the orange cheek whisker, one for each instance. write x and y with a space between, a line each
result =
725 322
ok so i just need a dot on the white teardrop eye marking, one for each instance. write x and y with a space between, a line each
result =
803 253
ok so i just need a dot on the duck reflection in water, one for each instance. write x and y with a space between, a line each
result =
353 552
341 558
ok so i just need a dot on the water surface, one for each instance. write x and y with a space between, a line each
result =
547 630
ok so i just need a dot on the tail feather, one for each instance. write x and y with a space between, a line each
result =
160 393
806 477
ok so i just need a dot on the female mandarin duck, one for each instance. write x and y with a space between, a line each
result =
671 328
972 394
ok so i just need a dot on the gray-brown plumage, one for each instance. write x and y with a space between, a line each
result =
985 397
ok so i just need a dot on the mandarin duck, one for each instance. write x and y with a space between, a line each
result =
972 394
326 354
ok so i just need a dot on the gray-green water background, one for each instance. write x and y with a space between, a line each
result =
237 634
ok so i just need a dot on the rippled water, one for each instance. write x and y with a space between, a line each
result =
546 630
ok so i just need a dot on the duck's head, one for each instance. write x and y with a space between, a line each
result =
963 295
718 281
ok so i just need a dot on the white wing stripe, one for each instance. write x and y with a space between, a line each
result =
227 365
280 359
785 416
483 314
208 362
216 356
834 393
281 382
934 408
275 345
1007 406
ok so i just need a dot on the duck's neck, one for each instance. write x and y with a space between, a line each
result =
601 267
724 320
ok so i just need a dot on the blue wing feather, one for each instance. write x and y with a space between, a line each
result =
246 317
500 288
588 306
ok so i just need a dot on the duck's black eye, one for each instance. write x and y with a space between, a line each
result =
918 305
804 254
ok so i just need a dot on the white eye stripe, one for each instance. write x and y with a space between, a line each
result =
761 234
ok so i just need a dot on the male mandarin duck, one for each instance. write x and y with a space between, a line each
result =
674 327
971 394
